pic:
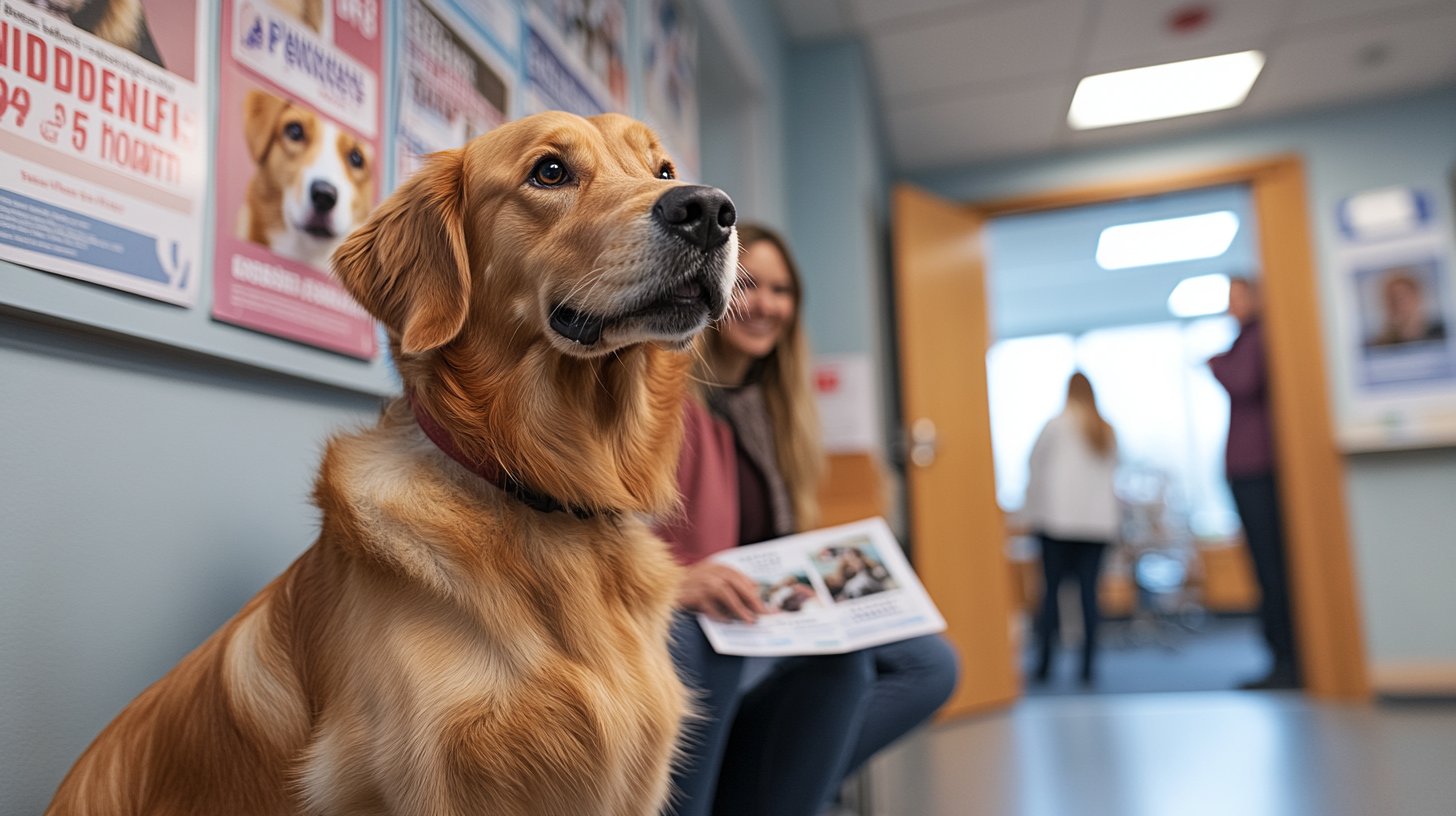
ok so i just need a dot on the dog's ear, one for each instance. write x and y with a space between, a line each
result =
260 116
408 264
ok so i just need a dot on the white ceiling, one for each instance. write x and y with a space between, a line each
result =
963 81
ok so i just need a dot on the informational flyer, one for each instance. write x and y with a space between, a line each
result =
574 56
103 124
670 79
500 19
450 90
298 166
848 402
1406 324
828 591
1398 316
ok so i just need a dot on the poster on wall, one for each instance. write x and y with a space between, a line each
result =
1399 307
1405 322
298 161
499 18
670 76
848 403
574 56
105 133
449 90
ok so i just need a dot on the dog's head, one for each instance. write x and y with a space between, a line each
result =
536 284
320 175
553 227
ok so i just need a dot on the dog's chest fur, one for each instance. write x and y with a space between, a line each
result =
522 651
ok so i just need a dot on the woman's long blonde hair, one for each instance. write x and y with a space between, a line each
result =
1095 429
784 376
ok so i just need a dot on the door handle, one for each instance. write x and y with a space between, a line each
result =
924 442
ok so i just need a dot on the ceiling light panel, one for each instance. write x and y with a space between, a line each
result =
1169 240
1164 91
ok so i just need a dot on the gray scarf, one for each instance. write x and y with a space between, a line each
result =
747 412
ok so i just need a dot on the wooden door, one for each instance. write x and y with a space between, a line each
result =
957 535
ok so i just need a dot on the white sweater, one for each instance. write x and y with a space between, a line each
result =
1069 490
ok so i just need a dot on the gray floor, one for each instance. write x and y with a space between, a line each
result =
1137 657
1194 754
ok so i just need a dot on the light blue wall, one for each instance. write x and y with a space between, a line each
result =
742 118
1399 504
836 187
837 184
148 493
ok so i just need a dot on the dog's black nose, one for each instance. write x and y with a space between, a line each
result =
702 216
323 195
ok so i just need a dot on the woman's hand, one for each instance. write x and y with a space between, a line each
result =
721 592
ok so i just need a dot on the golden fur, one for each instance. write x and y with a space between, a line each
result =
442 648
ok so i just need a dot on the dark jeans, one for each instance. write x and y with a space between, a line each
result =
1061 559
784 746
1257 500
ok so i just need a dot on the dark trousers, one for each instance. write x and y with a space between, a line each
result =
1061 559
782 747
1257 500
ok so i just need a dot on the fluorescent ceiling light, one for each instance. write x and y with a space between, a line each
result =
1203 295
1164 91
1168 241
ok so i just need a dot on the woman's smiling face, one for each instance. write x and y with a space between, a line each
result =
766 302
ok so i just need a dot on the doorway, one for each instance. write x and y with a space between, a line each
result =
1067 293
957 529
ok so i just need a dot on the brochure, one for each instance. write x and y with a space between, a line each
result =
828 591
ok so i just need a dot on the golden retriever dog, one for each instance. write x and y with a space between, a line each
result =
481 626
312 183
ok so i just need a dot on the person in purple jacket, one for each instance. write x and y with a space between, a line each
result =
1243 372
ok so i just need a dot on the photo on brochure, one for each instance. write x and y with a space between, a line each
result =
853 569
791 593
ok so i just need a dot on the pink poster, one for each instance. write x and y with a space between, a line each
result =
298 164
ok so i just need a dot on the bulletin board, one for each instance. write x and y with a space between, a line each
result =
114 242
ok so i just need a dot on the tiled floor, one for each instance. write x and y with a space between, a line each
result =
1192 754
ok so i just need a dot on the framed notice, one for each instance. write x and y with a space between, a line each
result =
574 56
1398 315
105 133
299 148
449 89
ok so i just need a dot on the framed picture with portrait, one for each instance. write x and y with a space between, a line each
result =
1397 299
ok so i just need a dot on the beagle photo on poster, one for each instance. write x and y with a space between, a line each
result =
312 181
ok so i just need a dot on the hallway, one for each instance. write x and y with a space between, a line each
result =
1193 754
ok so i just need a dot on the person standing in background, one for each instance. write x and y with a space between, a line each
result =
1242 371
750 471
1071 506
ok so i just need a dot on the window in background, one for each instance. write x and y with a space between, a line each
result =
1170 414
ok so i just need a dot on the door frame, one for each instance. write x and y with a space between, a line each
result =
1312 471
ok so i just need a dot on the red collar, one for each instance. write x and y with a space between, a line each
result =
491 470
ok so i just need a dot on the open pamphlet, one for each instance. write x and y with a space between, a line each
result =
828 591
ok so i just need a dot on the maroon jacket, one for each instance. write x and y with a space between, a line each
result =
1242 372
707 476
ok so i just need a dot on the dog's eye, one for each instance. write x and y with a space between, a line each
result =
666 171
550 172
356 159
293 131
